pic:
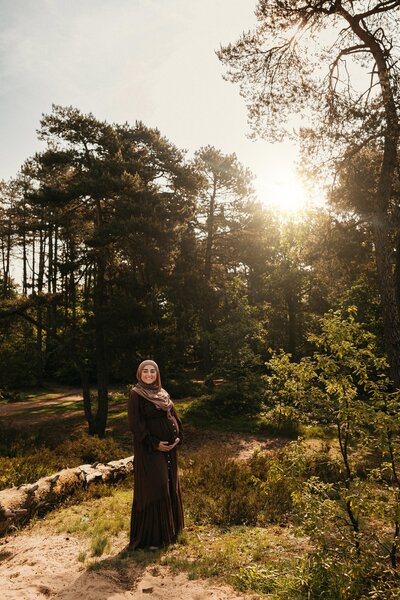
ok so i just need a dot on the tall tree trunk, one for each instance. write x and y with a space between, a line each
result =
292 309
39 330
55 260
382 228
101 354
206 317
24 258
6 242
87 402
387 288
50 259
7 276
3 261
33 281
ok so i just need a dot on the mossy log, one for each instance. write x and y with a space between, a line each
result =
19 504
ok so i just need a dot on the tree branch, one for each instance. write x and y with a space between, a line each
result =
379 8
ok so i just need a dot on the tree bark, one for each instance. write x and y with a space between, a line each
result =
101 354
382 228
292 307
206 319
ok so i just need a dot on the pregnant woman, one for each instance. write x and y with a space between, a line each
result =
157 515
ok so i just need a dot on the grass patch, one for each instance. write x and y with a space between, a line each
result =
82 556
105 516
52 409
251 559
100 543
98 515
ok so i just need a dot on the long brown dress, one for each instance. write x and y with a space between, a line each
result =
157 515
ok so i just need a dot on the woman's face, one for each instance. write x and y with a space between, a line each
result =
148 374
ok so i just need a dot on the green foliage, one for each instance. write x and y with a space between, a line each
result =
17 354
344 385
224 492
237 341
281 420
228 400
184 387
90 449
289 385
220 492
27 468
25 460
335 578
262 580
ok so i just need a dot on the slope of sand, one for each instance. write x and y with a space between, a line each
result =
35 565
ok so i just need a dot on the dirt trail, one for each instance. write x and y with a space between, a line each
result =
38 565
10 409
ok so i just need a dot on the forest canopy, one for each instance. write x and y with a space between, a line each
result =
123 248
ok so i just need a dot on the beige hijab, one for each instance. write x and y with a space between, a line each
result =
153 392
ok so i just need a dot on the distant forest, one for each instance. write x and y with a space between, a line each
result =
124 249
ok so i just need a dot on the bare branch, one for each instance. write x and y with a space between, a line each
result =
381 7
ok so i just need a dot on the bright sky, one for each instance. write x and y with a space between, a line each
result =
127 60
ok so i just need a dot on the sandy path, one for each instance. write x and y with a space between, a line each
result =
37 565
10 409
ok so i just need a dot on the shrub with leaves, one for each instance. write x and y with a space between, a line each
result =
26 460
222 491
350 512
348 504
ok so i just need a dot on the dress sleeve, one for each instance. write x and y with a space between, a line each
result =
180 428
137 424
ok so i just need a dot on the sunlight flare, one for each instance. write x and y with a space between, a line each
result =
285 191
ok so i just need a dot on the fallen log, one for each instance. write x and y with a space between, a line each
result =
19 504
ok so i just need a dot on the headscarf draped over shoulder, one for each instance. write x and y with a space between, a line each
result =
153 391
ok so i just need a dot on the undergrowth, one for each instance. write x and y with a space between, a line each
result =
25 463
245 520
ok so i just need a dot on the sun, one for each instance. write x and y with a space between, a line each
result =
282 191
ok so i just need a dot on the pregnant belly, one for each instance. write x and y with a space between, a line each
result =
164 429
171 432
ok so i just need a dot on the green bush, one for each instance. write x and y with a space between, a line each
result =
25 460
20 469
282 421
335 578
17 354
84 448
218 490
230 399
183 388
258 491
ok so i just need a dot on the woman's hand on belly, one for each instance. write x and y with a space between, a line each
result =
166 446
